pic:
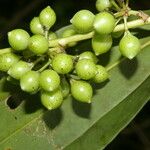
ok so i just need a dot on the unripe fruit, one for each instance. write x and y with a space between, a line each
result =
36 27
51 100
101 43
104 23
67 33
52 36
7 60
129 46
103 5
85 69
83 21
38 44
49 80
101 74
29 82
18 39
81 91
62 63
47 17
88 55
65 87
19 69
117 34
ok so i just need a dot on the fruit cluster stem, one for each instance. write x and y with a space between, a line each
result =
80 37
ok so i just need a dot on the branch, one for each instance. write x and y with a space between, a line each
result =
80 37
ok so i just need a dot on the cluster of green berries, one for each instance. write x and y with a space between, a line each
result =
56 74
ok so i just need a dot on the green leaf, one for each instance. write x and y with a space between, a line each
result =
76 125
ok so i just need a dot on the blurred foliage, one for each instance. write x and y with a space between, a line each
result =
18 13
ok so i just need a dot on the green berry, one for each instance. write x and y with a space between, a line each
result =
52 36
67 33
103 5
29 82
85 69
81 91
104 23
65 87
49 80
19 69
88 55
62 63
7 60
51 100
83 21
18 39
47 17
101 43
38 44
101 74
36 27
129 46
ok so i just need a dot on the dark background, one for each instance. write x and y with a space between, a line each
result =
18 13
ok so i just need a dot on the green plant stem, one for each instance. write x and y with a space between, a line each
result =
45 66
38 60
80 37
115 5
5 50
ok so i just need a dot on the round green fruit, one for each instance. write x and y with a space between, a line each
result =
7 60
38 44
82 21
129 46
52 35
51 100
29 82
47 17
19 69
81 91
62 63
85 69
103 5
88 55
36 27
104 23
18 39
101 43
101 74
49 80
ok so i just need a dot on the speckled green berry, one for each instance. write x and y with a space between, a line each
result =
129 46
101 43
7 60
49 80
47 17
19 69
38 44
104 23
88 55
103 5
62 63
29 82
36 27
18 39
83 21
101 74
85 69
51 100
81 91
